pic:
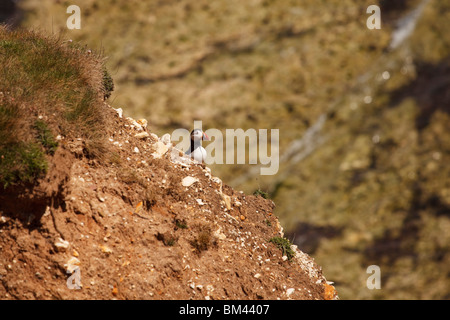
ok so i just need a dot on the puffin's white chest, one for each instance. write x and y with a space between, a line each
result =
199 154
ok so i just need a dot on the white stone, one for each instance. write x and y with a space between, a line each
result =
134 123
290 291
61 244
154 136
160 149
166 138
217 180
143 122
141 135
188 181
178 157
72 264
119 112
219 234
226 200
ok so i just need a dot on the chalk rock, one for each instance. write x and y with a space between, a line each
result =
217 180
178 157
154 136
188 181
227 200
142 135
219 234
160 149
200 202
119 112
166 138
142 122
72 264
105 249
62 245
134 124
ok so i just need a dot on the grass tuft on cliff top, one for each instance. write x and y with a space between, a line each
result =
48 87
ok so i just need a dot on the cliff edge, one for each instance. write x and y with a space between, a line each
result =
93 205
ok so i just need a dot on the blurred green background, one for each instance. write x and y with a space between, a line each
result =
364 123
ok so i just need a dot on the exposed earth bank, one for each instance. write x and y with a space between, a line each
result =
143 222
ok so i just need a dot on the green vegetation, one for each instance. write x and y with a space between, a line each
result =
108 84
284 245
45 137
261 193
23 162
180 224
48 87
167 239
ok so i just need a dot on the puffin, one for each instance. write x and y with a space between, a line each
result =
196 151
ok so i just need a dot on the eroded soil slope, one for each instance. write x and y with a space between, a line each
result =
133 226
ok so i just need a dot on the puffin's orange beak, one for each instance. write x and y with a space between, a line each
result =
205 136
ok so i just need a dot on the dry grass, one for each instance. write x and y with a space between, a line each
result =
48 87
203 239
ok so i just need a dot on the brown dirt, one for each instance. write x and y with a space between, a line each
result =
139 234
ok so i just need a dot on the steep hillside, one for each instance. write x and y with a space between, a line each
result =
363 119
93 205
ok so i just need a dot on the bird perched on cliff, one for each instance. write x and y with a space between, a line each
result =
196 151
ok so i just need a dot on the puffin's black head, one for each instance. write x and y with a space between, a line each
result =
198 135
